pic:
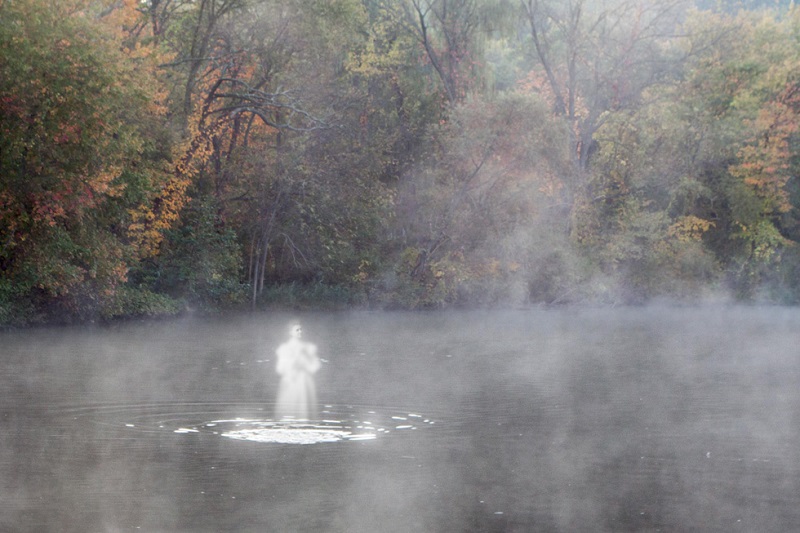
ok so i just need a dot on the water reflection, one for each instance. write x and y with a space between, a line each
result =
624 420
239 421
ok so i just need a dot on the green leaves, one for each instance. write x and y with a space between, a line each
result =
425 153
73 115
712 153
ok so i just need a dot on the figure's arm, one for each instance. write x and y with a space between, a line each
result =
312 361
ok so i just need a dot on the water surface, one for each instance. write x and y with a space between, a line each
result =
543 420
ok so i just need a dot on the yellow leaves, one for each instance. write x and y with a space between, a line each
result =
122 16
150 221
383 50
449 272
103 182
489 268
689 228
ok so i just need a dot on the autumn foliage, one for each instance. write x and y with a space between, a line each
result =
416 153
80 122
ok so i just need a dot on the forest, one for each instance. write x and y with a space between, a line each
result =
165 156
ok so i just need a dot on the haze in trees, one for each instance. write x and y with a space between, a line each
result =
220 153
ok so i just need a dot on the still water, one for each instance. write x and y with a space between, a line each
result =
539 420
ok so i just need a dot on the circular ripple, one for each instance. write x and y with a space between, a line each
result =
268 431
247 422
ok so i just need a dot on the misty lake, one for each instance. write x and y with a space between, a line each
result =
683 419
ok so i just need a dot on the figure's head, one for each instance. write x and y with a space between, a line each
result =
296 330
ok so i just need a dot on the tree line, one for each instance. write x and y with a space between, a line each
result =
159 154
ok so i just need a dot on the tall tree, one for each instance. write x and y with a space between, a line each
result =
593 59
492 178
81 146
263 83
451 34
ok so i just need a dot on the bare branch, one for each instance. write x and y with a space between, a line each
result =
267 106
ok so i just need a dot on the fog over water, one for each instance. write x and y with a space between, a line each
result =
633 419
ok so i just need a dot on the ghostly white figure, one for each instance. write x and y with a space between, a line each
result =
297 363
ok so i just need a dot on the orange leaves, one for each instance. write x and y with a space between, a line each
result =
47 210
689 228
77 149
149 221
123 15
69 201
764 163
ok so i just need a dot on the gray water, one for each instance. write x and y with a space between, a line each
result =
558 420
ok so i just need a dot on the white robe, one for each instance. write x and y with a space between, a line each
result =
297 394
